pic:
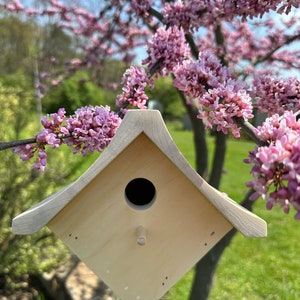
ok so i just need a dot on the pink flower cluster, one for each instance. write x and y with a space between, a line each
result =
134 81
276 167
50 135
141 8
221 105
89 129
220 98
166 50
186 15
194 78
191 15
276 95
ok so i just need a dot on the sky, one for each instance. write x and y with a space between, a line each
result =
141 51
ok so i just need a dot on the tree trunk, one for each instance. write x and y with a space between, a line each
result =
218 159
199 138
206 267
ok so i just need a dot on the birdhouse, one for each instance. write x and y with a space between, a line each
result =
140 217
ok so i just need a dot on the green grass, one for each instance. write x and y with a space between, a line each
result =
249 268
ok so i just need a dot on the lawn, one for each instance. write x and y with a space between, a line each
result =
250 268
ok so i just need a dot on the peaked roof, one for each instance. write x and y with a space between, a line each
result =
152 125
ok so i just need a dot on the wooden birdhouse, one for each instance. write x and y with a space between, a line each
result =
140 217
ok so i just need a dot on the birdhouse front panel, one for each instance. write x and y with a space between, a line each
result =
140 224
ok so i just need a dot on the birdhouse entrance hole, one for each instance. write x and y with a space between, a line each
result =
140 193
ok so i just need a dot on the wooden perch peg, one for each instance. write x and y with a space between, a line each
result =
141 235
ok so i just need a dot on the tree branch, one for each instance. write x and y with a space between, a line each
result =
192 45
12 144
271 52
153 12
249 129
220 40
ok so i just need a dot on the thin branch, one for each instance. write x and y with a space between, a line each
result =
192 45
249 129
270 53
220 40
12 144
153 12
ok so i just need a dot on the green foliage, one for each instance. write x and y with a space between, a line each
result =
112 71
89 87
74 92
25 45
56 43
168 96
21 187
18 82
17 40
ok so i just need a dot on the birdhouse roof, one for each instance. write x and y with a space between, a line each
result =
140 216
135 123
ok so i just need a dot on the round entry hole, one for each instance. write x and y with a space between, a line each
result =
140 193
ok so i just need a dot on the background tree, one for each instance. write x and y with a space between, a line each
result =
21 184
168 96
17 45
219 60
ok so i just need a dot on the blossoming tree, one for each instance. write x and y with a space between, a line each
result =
226 59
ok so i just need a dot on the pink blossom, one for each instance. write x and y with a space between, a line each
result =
219 106
41 161
53 60
275 127
186 15
18 5
75 62
31 11
56 82
276 168
191 15
25 152
141 8
194 78
220 97
91 128
166 50
134 81
51 11
57 4
287 5
276 95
